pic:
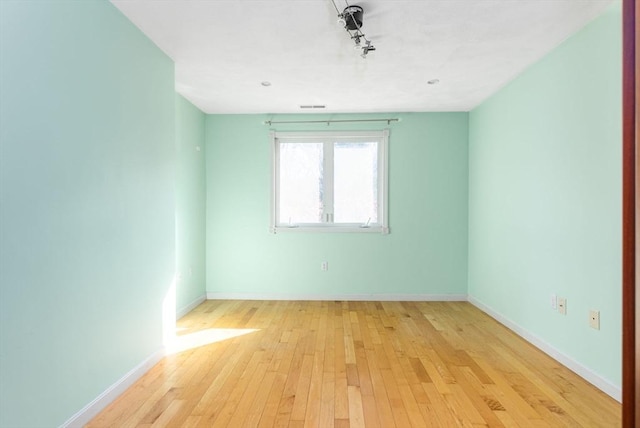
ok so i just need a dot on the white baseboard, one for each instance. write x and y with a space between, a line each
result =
341 297
89 411
587 374
191 306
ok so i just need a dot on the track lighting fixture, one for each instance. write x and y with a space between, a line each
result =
351 19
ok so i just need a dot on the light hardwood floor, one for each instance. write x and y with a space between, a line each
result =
353 364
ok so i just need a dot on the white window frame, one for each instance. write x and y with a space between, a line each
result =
327 224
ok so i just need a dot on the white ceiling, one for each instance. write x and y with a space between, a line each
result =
224 49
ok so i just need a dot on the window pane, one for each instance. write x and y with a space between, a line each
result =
300 183
355 182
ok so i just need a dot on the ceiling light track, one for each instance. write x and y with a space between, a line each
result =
330 121
351 19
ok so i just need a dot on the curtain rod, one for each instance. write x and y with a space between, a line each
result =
328 122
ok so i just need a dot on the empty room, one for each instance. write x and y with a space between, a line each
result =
311 213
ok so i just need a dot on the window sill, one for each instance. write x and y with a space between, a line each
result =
330 229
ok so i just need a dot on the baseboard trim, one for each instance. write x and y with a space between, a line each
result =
89 411
587 374
191 306
341 297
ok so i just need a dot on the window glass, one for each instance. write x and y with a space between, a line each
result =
300 183
355 182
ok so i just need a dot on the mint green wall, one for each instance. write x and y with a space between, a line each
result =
190 204
544 197
426 252
87 204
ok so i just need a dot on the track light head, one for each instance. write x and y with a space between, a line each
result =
351 20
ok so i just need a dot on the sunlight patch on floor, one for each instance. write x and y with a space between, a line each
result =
204 337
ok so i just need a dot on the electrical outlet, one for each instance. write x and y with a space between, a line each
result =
554 302
324 266
562 305
594 319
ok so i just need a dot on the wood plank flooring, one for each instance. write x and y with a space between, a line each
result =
355 364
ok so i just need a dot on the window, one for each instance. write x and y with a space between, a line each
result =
329 181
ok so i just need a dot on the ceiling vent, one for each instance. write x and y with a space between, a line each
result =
310 106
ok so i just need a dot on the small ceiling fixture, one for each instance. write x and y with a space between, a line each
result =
351 19
265 83
433 81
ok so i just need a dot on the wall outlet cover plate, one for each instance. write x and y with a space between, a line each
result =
562 305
